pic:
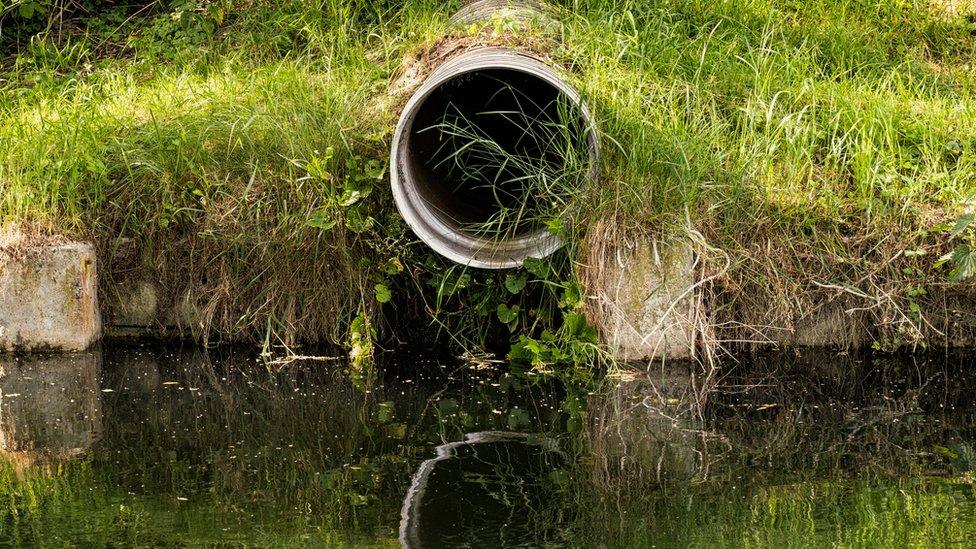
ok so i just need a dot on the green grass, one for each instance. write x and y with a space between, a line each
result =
525 190
204 159
811 143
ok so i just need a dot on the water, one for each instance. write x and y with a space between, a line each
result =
160 447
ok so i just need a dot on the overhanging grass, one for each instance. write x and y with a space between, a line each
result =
813 143
204 166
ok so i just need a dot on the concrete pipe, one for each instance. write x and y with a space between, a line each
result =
474 11
450 194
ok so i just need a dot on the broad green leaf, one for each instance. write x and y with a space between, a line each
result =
317 167
962 223
507 314
556 227
536 266
375 170
29 9
515 283
358 222
393 266
964 259
943 260
383 293
349 197
322 219
572 297
578 329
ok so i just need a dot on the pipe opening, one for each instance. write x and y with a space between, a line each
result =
497 152
486 160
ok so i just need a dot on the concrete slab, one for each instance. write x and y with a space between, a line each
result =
139 308
641 299
49 298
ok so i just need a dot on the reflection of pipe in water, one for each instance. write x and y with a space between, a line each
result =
478 207
455 495
50 406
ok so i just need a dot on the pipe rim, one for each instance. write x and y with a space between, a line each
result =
455 245
475 11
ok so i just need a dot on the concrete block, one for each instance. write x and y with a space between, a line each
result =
49 298
136 304
185 314
640 297
141 309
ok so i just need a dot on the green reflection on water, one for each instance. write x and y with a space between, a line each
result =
177 448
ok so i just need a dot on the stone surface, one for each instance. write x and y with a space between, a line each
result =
48 298
950 321
135 305
640 297
185 315
139 309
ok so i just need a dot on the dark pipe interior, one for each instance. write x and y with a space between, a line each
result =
474 96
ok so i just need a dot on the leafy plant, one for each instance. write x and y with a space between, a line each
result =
28 9
344 197
186 24
963 257
802 143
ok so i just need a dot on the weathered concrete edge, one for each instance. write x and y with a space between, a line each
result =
641 298
49 298
139 310
644 298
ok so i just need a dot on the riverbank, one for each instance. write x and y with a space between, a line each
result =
816 156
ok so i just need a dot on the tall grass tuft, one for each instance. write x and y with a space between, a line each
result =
531 168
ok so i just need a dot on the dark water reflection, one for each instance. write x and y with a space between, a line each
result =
150 447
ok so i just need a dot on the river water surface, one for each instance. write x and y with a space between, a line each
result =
147 446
